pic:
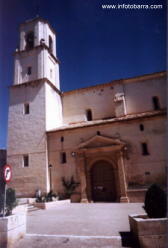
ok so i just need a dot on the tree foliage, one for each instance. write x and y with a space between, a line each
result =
155 202
69 185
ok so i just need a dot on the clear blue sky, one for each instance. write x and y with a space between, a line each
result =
94 45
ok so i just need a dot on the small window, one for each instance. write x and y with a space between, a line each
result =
29 70
156 104
98 132
62 139
26 109
144 149
141 127
63 158
89 115
25 161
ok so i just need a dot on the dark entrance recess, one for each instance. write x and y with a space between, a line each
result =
103 182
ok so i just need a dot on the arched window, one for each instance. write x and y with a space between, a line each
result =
89 115
29 40
156 104
50 44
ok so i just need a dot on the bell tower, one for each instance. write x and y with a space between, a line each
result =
35 106
36 57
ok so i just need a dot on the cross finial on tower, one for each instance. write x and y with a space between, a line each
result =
37 8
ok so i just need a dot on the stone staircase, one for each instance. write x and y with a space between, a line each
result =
31 208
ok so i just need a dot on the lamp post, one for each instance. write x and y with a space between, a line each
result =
50 168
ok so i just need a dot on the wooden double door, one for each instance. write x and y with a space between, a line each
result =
103 182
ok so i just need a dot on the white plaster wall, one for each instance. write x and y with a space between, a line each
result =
41 63
98 99
48 33
136 165
17 70
53 108
26 135
22 62
50 64
27 180
19 122
139 94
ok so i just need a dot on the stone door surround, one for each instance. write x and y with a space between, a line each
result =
100 148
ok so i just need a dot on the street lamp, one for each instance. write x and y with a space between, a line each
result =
73 154
50 167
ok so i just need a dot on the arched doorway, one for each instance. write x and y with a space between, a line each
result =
103 182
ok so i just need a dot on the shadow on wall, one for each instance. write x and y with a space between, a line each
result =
2 163
27 94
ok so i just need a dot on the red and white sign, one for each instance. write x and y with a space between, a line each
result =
7 173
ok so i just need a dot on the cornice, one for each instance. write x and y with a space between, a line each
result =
35 82
42 46
127 118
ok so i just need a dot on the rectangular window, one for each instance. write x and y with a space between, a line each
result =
25 161
156 103
63 157
144 149
29 70
141 127
26 109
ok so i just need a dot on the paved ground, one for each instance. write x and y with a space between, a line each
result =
79 225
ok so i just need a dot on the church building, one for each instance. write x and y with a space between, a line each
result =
110 138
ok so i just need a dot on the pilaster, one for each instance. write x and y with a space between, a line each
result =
122 178
81 163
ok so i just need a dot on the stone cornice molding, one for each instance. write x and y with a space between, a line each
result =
42 46
36 82
126 118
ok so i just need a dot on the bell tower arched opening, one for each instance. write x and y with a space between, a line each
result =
50 44
29 40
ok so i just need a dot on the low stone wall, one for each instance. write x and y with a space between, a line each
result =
48 205
22 201
149 232
136 195
12 228
20 209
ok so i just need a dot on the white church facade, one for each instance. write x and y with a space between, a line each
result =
109 137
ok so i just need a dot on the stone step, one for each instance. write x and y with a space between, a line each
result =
31 208
65 241
22 201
